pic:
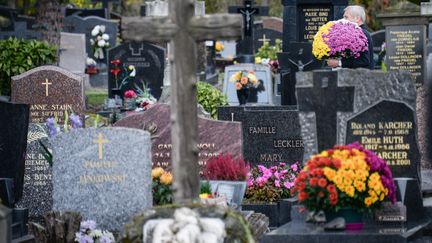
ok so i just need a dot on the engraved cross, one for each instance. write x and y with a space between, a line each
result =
100 141
46 86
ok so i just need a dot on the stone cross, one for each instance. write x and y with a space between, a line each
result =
248 11
183 30
46 86
325 98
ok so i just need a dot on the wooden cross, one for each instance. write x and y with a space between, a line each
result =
248 11
46 86
183 29
100 141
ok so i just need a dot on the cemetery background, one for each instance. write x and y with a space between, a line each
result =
75 48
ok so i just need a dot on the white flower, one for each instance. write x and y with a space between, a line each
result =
90 61
92 42
102 28
96 233
96 30
99 38
108 234
265 61
101 43
105 37
133 73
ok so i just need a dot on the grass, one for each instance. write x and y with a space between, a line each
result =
96 97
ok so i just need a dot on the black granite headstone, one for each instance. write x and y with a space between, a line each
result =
149 62
325 98
406 50
265 35
302 18
389 129
13 142
378 38
298 58
21 31
271 134
85 12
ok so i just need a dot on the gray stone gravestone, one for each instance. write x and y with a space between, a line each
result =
369 86
73 52
104 174
37 193
149 62
389 129
215 137
51 91
13 129
262 95
271 134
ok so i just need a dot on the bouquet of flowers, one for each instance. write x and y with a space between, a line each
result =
161 186
271 184
122 76
345 176
88 234
340 38
100 41
244 79
267 54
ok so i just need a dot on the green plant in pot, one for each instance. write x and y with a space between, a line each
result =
345 181
269 191
227 176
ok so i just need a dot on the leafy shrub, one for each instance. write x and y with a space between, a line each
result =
18 56
210 98
226 168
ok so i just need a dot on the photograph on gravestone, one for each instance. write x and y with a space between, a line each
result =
262 94
406 50
271 134
13 143
37 193
325 99
149 63
215 137
265 35
51 91
389 129
302 18
104 174
299 58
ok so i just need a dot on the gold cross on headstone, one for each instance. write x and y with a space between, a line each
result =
263 39
182 29
46 86
100 141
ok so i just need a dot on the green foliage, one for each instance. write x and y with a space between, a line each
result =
205 188
210 98
268 51
18 56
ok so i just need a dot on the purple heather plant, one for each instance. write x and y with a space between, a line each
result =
346 39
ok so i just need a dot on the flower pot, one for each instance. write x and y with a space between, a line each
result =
353 218
242 95
279 213
130 103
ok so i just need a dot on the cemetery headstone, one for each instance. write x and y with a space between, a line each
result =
389 129
271 134
8 17
149 62
51 91
261 95
215 137
86 12
245 47
378 39
37 194
273 23
13 142
104 174
72 52
406 50
370 87
302 18
299 58
266 35
20 31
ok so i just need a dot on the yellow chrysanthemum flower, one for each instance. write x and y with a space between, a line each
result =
157 172
166 178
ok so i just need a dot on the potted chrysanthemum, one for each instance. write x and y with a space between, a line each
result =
345 181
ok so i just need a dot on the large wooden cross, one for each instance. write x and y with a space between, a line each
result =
183 30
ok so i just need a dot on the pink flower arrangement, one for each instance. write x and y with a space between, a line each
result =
271 184
130 94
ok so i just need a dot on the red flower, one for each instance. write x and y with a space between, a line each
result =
331 188
303 196
313 181
322 182
320 194
115 62
115 71
130 94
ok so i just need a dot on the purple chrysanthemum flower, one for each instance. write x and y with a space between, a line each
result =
76 121
51 125
87 225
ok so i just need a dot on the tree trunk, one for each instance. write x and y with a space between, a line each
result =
49 19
